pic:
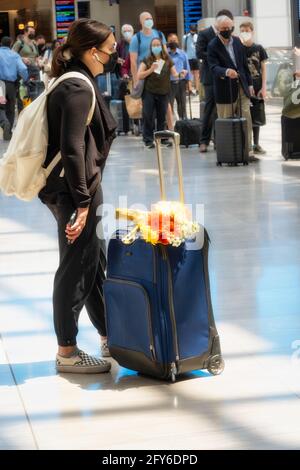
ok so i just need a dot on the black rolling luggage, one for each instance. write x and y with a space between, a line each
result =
189 129
232 138
290 137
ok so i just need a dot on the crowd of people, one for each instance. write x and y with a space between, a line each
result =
230 67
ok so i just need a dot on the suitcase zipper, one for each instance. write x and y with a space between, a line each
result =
172 311
150 329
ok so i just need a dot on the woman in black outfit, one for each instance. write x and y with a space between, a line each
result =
75 185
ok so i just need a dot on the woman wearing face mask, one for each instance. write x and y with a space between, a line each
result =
28 50
257 57
74 187
123 50
156 70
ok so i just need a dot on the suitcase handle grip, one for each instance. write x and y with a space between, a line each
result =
166 135
158 136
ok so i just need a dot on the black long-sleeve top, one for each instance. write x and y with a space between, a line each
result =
84 149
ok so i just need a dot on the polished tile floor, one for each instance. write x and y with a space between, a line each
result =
253 217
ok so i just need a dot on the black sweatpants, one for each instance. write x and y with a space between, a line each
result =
79 279
151 103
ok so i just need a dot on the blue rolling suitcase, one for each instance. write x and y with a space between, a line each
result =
158 306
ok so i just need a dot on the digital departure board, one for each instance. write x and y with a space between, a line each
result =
65 15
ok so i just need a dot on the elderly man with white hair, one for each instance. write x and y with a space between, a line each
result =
228 62
141 42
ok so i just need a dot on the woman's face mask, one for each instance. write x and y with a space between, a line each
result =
127 35
156 50
148 23
111 64
245 36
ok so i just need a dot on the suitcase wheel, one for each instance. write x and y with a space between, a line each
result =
245 163
219 164
216 365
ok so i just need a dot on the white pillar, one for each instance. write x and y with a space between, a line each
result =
273 22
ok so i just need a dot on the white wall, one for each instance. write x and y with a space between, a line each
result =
273 22
102 11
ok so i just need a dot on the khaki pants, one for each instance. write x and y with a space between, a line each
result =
225 112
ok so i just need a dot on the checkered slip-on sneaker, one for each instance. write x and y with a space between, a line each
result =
104 350
81 363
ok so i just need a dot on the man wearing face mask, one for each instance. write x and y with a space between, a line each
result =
189 46
210 112
257 57
178 85
228 63
123 50
140 44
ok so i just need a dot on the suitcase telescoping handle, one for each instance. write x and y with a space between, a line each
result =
176 138
239 96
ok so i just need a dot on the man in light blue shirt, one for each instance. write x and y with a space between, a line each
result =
230 50
189 45
178 86
140 43
11 68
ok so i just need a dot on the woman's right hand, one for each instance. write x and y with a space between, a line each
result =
153 67
72 233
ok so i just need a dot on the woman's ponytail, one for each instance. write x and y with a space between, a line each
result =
61 57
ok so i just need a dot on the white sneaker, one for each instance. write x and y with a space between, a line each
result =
81 363
104 350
